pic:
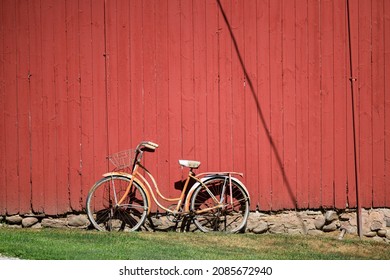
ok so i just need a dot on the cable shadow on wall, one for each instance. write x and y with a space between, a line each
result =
259 110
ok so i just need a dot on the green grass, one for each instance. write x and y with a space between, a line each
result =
54 244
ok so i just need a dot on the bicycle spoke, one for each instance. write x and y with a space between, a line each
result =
104 212
229 214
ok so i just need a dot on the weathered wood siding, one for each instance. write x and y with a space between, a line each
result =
261 87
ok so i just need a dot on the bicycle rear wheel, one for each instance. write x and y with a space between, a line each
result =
106 214
217 207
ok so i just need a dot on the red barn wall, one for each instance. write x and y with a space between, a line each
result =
256 86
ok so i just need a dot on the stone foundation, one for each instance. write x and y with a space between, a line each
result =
376 223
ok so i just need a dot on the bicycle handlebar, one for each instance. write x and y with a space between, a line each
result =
147 145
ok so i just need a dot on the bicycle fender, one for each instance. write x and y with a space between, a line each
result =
197 184
127 175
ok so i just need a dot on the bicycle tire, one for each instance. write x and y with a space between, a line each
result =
231 217
103 211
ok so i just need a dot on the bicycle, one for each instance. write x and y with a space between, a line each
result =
121 201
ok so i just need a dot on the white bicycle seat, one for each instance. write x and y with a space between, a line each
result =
189 163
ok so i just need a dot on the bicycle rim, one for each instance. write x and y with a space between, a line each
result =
233 212
104 212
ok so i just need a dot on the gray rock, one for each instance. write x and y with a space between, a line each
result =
37 226
378 239
291 225
14 226
388 234
78 221
348 228
308 225
315 232
277 228
313 213
295 231
387 220
258 215
1 218
14 220
29 221
376 225
262 227
369 234
345 217
156 222
353 221
382 232
374 215
331 227
331 216
319 222
53 223
386 212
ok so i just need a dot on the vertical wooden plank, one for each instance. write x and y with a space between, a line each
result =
263 87
225 85
365 104
212 45
302 102
187 86
289 104
149 79
60 89
263 106
99 87
199 8
251 99
37 144
123 57
23 97
277 113
238 98
174 95
136 52
354 37
3 196
112 75
162 89
387 99
49 115
327 103
10 107
378 109
149 83
314 106
340 104
86 98
73 89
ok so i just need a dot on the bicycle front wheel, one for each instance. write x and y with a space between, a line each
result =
217 206
106 214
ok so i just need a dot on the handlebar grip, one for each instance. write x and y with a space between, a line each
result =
150 145
147 146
